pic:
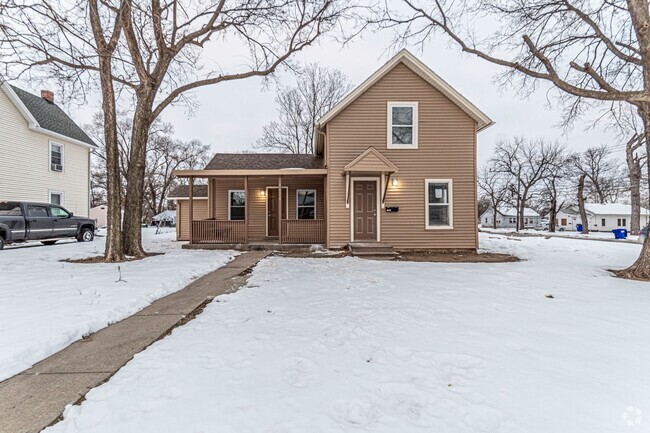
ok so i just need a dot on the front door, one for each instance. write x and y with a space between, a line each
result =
365 210
39 222
272 203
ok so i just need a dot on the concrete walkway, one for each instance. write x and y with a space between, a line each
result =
35 398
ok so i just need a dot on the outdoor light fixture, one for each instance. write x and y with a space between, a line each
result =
262 193
395 181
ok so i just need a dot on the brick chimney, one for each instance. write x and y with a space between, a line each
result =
48 95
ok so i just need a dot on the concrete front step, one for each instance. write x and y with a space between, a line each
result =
372 250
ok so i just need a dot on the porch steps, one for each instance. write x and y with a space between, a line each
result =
372 250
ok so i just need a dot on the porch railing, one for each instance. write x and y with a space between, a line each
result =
303 231
218 232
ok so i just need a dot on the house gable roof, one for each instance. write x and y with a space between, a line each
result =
371 161
417 66
45 117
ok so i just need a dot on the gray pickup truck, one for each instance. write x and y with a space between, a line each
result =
44 222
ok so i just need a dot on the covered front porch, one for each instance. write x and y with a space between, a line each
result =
254 209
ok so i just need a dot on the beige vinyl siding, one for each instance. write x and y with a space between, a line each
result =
256 201
183 216
25 165
446 150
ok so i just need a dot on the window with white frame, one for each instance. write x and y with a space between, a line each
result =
56 197
236 205
306 204
512 220
622 222
56 157
438 203
402 125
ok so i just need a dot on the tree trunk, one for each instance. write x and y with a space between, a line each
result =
634 172
113 250
581 204
641 267
552 215
494 216
132 231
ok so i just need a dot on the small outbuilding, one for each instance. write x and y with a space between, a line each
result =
100 215
165 219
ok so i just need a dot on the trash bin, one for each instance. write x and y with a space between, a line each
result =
579 228
620 233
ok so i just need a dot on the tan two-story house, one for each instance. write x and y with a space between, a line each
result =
44 154
394 163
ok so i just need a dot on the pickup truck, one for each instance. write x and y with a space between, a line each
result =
44 222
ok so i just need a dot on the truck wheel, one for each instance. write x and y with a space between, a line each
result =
2 242
48 242
87 235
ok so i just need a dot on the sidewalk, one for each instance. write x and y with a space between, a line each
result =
35 398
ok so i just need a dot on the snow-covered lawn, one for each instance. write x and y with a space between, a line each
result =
564 234
347 345
46 304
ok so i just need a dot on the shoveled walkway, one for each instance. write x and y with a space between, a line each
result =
35 398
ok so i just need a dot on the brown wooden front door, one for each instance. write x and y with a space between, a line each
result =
365 210
272 203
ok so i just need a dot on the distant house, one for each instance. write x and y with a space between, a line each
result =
507 218
394 164
601 217
44 154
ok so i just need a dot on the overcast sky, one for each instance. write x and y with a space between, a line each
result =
231 115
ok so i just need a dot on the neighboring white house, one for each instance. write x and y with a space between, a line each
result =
601 217
44 154
507 218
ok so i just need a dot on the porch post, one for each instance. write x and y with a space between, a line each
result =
191 213
280 210
246 207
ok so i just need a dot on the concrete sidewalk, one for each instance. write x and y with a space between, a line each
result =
35 398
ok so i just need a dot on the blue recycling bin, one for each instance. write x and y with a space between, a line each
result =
620 233
579 228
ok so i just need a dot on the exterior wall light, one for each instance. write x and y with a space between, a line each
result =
262 193
394 182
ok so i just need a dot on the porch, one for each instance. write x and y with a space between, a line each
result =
252 209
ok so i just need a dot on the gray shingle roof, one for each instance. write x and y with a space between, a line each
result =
263 161
51 117
184 191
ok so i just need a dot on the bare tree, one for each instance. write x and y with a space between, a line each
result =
590 52
634 163
581 204
526 163
553 190
155 54
494 185
604 176
317 90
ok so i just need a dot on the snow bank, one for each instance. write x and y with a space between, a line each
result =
347 345
46 304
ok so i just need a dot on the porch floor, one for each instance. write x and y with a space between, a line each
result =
256 246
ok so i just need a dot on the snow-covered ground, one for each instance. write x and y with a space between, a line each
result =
46 304
347 345
564 234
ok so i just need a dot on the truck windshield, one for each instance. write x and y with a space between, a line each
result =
10 209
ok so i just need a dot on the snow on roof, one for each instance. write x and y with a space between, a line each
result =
611 209
509 211
168 215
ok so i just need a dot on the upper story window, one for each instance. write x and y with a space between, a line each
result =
306 204
56 157
402 125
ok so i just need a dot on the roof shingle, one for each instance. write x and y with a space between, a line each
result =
51 117
263 161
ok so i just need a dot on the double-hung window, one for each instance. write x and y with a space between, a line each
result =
306 204
56 197
402 125
236 205
56 157
439 213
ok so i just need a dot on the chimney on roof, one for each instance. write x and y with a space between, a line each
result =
48 95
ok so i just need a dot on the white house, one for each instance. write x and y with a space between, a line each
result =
507 218
44 154
601 217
